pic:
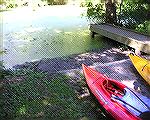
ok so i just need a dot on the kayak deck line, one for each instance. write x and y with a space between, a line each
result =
145 66
101 96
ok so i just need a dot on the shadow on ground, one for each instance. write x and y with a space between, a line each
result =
113 62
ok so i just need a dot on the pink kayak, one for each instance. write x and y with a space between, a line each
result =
117 99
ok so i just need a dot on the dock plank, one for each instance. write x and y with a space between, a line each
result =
139 42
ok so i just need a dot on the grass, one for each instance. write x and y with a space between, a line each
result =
34 95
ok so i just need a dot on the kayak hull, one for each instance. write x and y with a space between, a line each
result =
142 66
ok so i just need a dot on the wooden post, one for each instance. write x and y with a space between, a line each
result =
93 34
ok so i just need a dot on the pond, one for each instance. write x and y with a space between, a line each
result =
47 32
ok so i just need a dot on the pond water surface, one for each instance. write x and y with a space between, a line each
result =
47 32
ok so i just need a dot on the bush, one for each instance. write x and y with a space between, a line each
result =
96 13
144 27
131 14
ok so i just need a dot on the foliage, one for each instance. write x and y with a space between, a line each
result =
2 2
56 2
37 96
144 27
96 13
132 14
16 3
3 71
11 3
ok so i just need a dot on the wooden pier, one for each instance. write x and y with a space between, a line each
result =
139 42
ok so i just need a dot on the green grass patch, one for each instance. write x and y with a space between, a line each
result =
43 97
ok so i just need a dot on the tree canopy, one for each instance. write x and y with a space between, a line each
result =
132 14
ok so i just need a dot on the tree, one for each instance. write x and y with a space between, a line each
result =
111 11
132 14
50 2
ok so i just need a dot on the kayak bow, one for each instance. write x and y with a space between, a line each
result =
142 65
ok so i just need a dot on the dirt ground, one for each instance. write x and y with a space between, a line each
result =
112 62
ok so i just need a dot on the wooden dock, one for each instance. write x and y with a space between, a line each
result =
139 42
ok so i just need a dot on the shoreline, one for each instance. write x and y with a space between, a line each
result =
110 61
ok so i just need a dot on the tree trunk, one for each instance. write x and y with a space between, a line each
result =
111 11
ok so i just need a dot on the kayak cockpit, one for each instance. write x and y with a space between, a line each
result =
136 103
113 89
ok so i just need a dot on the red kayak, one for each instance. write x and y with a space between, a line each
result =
117 99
